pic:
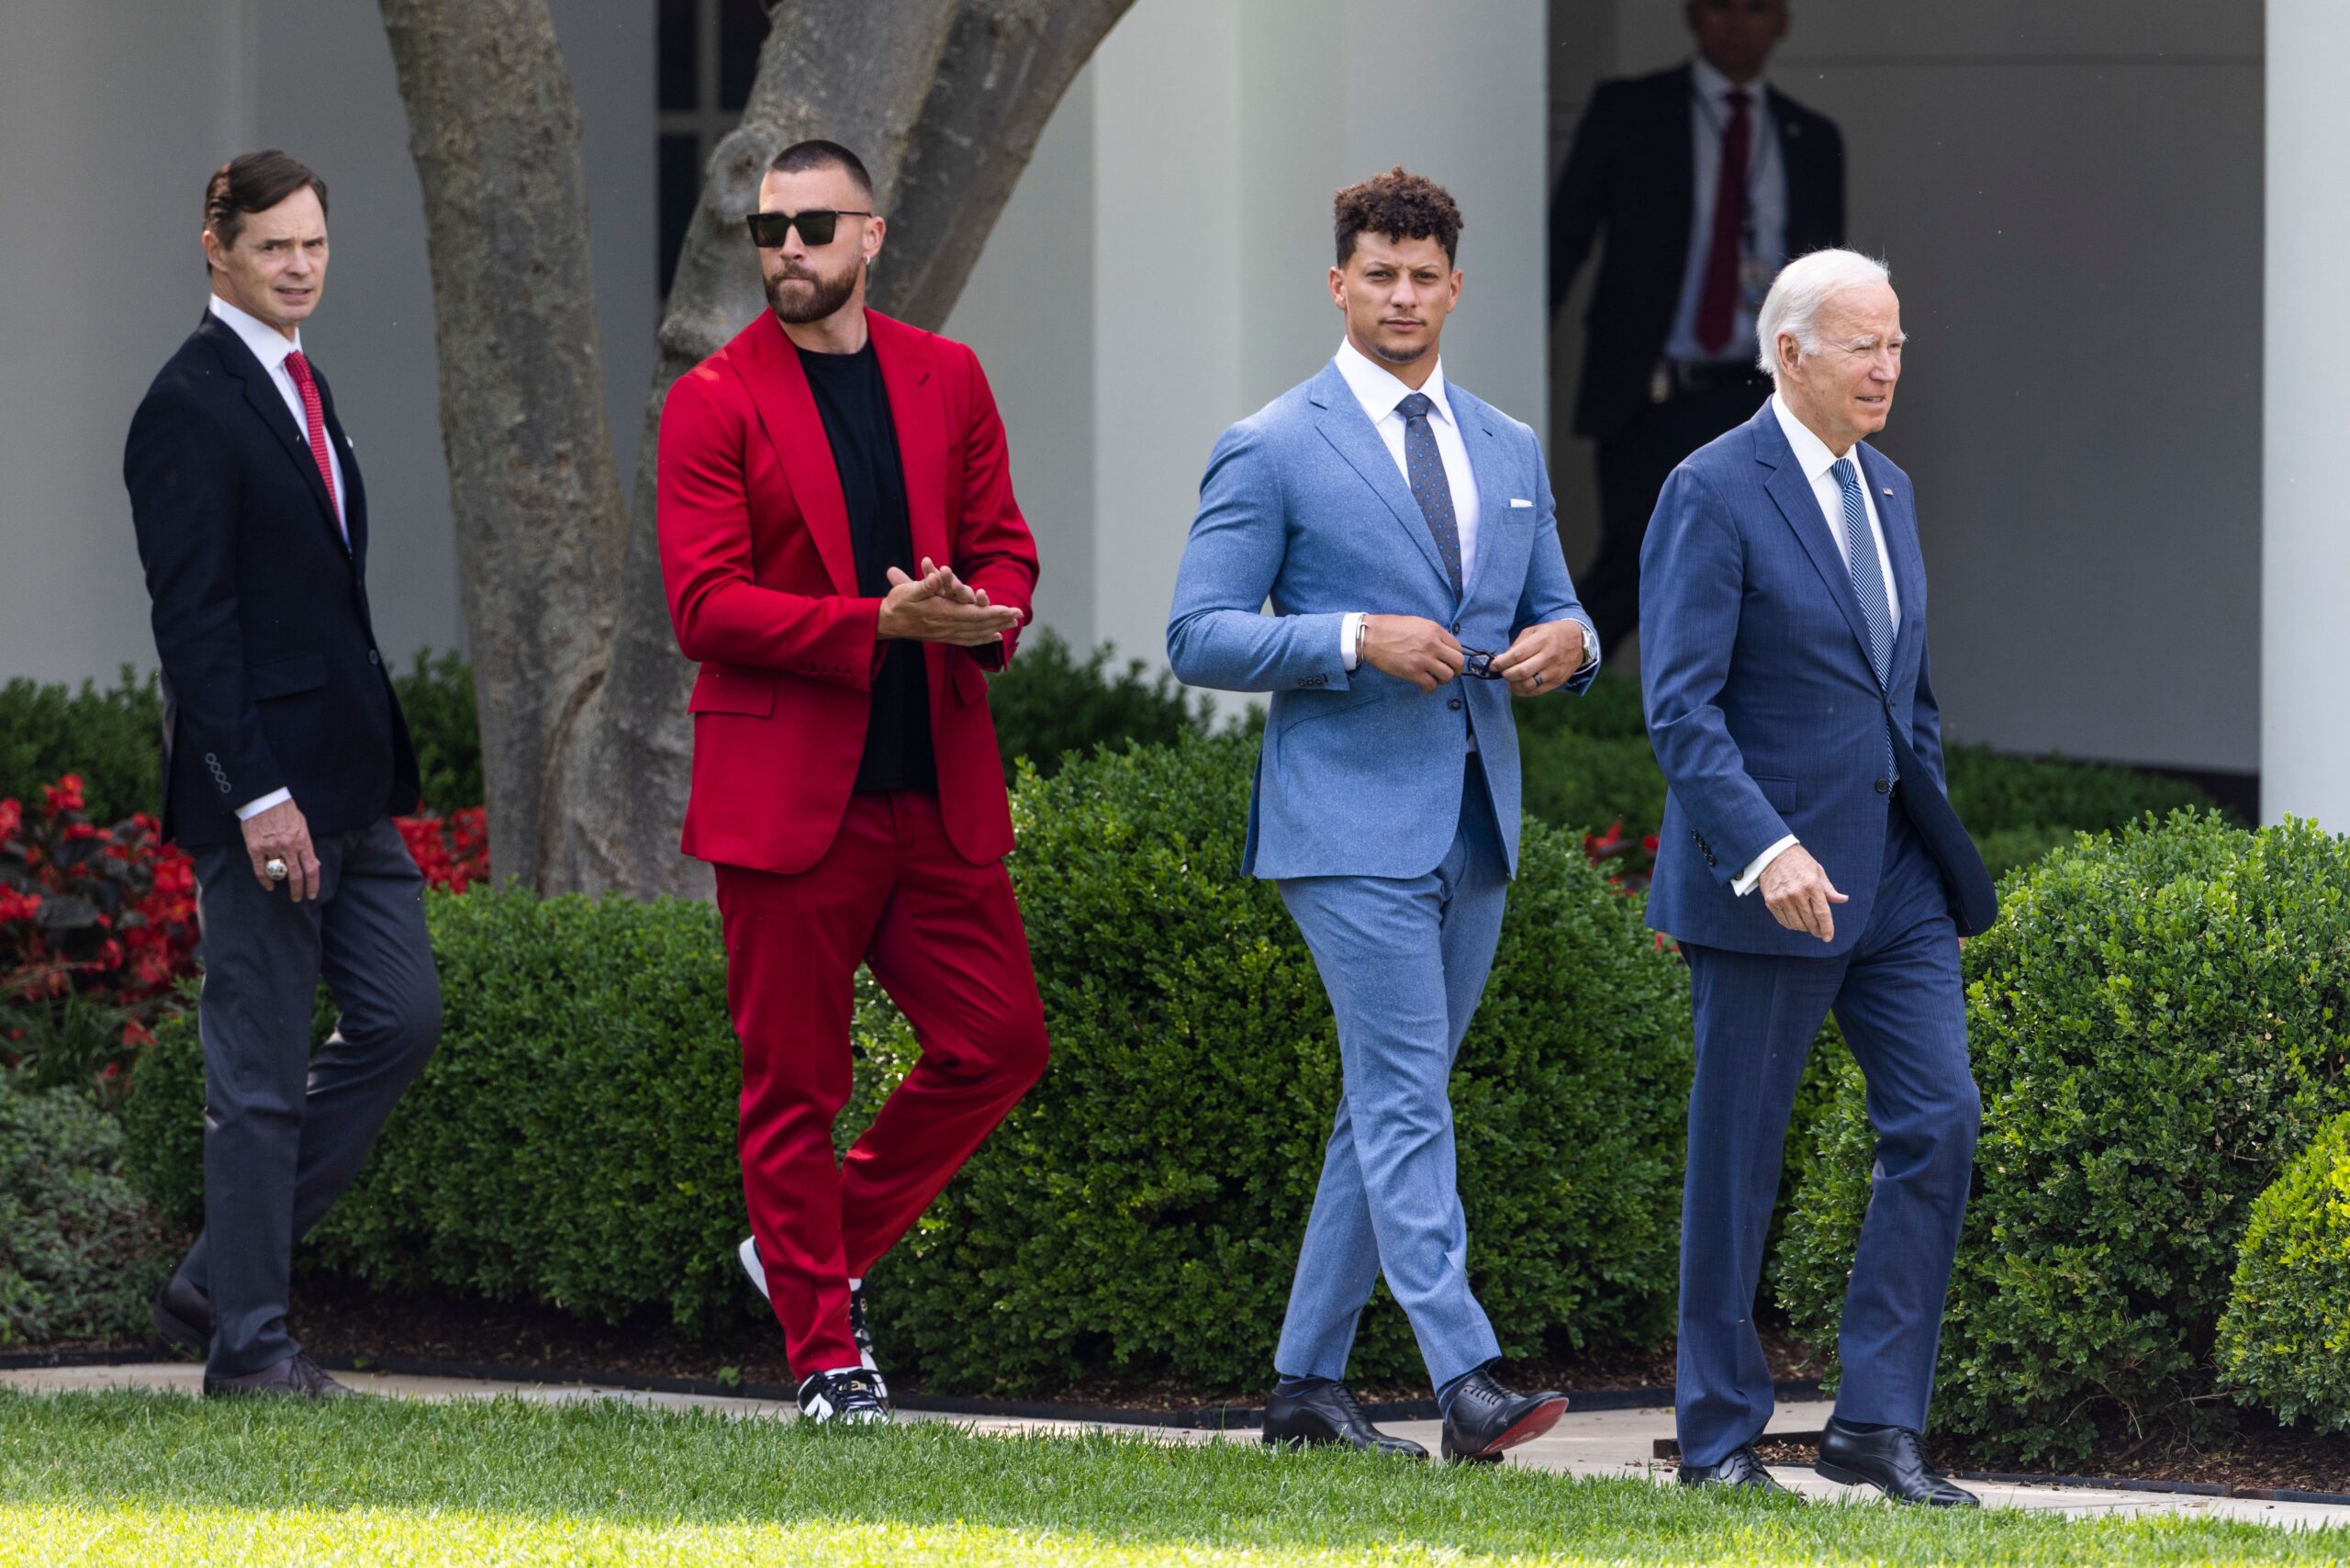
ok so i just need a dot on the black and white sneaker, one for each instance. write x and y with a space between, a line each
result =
755 1267
847 1399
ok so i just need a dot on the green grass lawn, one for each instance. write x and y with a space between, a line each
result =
132 1478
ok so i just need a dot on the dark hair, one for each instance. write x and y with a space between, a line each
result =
250 183
1400 205
801 156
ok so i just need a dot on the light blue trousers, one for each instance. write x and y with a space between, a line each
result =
1405 960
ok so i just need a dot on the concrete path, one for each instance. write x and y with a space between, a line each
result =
1604 1442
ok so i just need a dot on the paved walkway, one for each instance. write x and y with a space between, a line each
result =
1603 1442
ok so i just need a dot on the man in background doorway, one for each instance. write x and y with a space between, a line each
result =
1706 180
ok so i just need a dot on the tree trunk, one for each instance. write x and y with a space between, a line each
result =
944 100
533 487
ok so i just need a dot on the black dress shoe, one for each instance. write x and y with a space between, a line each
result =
1742 1467
182 1314
1892 1459
1485 1418
1324 1412
295 1376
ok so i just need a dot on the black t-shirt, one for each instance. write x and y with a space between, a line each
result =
854 406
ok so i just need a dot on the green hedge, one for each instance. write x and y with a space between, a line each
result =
80 1251
2285 1339
2157 1023
1049 705
113 738
573 1141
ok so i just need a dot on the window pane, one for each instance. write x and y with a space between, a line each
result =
679 37
741 27
680 189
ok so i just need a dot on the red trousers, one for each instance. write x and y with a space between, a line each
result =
944 938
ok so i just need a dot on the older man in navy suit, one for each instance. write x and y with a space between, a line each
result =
1809 861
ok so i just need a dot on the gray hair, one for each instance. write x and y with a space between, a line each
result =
1797 295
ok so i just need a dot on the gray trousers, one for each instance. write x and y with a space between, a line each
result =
284 1131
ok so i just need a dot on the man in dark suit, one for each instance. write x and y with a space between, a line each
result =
1809 861
1706 181
285 758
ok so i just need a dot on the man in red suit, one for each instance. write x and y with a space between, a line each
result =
843 557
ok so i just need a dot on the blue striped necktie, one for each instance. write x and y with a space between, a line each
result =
1868 583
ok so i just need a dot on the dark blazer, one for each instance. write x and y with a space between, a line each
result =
1632 172
272 678
1764 710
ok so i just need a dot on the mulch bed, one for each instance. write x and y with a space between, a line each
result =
345 1323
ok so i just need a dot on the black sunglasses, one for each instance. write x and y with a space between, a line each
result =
770 230
1478 665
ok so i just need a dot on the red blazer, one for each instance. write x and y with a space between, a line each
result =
762 588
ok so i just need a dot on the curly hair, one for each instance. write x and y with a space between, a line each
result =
1399 205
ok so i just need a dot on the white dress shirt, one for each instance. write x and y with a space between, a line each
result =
1766 209
1819 465
271 346
1378 390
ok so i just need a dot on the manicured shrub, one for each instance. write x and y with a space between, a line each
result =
1048 705
437 699
1994 794
2157 1023
110 739
2285 1339
1142 1209
80 1251
573 1140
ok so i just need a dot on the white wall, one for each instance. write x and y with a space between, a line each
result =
131 105
2305 748
2070 198
112 115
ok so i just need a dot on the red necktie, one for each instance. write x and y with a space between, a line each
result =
1718 302
315 415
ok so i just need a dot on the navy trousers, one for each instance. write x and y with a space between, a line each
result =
1899 996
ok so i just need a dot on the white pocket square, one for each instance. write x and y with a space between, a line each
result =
1516 502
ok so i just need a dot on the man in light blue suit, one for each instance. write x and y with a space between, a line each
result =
1403 531
1809 860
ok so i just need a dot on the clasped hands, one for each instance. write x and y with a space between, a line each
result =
1411 648
939 607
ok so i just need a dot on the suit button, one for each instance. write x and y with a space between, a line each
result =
1884 786
373 660
1454 704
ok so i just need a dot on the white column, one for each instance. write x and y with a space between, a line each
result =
2305 435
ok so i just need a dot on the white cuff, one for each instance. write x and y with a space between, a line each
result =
1748 879
1349 634
251 809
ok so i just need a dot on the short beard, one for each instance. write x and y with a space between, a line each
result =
1399 356
826 298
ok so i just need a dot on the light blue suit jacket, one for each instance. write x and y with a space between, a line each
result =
1764 707
1360 773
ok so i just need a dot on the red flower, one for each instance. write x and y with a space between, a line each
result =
11 816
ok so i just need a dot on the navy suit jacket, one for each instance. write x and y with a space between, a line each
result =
272 678
1764 708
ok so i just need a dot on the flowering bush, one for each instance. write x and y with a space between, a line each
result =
1627 862
452 851
97 926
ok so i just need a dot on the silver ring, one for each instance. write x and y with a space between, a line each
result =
273 869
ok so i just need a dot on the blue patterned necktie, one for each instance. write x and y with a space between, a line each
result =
1868 583
1425 467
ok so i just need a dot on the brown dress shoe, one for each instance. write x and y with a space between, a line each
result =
296 1375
